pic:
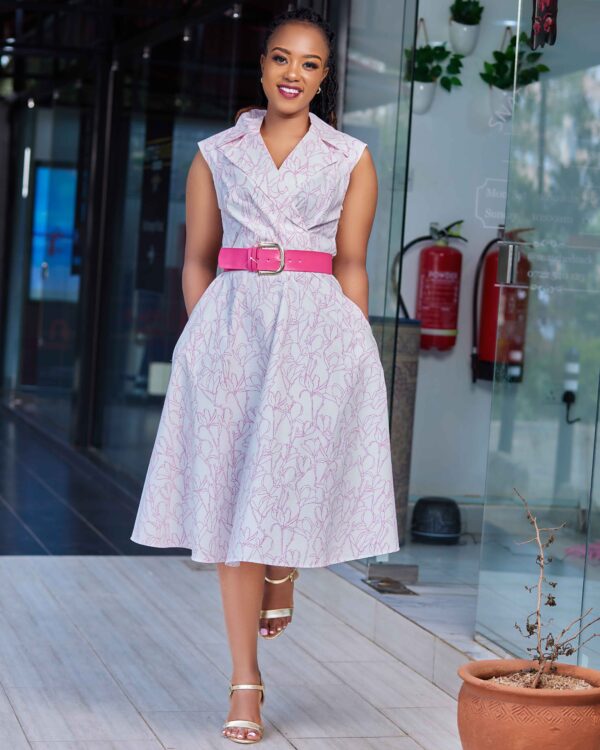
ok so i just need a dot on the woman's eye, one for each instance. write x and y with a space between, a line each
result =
277 58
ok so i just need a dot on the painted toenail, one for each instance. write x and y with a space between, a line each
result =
264 631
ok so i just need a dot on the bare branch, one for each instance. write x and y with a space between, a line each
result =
548 648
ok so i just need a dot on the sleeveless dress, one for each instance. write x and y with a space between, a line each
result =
273 444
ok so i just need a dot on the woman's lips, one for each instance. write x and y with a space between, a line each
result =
290 92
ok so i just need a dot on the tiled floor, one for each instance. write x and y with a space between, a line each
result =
109 645
446 600
447 611
129 653
56 504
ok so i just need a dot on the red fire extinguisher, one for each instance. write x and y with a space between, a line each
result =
499 340
438 290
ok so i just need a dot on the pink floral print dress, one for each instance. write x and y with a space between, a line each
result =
273 443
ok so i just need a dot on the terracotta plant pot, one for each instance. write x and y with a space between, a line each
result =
492 716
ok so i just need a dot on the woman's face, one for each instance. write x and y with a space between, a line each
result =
294 66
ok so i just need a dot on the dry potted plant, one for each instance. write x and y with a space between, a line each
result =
465 20
538 703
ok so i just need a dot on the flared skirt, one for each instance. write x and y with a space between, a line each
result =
273 443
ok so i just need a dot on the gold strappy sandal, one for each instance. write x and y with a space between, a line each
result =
272 614
245 723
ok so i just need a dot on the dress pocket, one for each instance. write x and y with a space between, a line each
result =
356 314
207 294
350 304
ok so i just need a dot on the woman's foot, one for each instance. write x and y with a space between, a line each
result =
245 705
277 596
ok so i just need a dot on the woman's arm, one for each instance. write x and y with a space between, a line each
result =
354 229
203 232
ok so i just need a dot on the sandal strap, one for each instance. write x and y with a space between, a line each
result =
243 724
289 577
270 614
245 687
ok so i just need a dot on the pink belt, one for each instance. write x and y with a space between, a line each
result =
270 257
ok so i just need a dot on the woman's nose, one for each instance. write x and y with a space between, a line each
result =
291 73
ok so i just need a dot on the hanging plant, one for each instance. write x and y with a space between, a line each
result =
426 64
466 11
430 63
501 72
465 19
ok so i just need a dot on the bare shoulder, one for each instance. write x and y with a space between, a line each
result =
199 174
365 166
363 177
199 164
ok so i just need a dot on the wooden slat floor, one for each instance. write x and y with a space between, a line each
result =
129 653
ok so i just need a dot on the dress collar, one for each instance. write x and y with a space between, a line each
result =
319 151
249 123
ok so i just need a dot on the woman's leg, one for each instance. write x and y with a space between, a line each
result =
276 596
242 592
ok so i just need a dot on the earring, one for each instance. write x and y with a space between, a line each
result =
319 90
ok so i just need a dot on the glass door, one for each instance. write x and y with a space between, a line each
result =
51 282
545 392
51 141
589 654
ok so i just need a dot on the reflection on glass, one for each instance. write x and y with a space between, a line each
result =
377 110
52 235
543 428
588 555
45 276
176 93
174 96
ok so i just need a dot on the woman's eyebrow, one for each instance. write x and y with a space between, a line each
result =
283 49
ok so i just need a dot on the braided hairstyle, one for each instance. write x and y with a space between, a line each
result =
323 104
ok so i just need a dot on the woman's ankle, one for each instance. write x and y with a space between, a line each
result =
247 674
279 570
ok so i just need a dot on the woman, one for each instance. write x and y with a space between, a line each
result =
272 451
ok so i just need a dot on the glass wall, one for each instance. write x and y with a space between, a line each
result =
49 189
544 424
168 96
457 172
377 110
589 654
98 227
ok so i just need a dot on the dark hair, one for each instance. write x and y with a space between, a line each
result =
323 104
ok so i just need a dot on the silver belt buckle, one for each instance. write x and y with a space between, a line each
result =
281 257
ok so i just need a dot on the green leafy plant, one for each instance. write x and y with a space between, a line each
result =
466 11
428 63
501 72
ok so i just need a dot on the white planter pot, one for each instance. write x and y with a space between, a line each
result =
463 37
501 103
423 96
